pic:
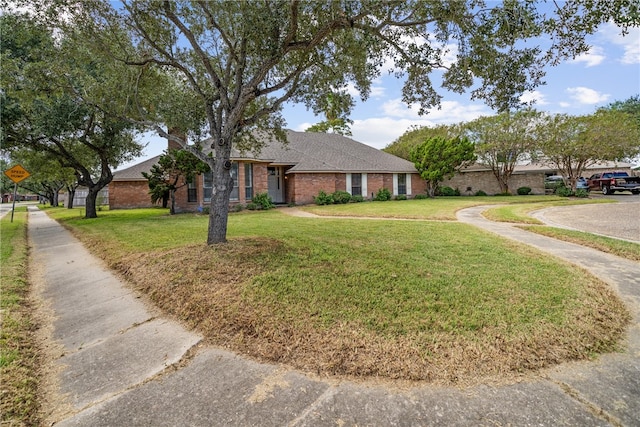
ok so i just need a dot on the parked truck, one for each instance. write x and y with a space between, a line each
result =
610 182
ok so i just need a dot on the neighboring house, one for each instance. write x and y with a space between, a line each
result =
129 189
290 174
480 177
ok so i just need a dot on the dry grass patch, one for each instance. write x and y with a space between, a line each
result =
19 357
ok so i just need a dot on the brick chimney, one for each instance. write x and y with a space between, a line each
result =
176 132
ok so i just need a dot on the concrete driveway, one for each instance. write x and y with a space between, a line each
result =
620 220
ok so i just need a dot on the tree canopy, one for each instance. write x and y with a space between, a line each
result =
572 144
503 141
438 158
61 100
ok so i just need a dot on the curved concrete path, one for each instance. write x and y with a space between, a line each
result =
121 364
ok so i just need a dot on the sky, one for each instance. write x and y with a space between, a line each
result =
609 72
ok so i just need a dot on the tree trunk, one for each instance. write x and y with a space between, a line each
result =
90 203
71 194
54 199
431 189
172 209
220 193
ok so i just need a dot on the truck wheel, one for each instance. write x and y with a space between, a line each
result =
606 190
635 192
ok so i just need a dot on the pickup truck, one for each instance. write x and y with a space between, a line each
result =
610 182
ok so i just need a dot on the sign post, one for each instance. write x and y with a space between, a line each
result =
16 174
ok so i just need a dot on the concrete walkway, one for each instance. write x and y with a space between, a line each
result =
122 364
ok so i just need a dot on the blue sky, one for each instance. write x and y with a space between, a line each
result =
609 72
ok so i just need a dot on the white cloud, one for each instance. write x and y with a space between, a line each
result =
629 43
397 118
584 95
449 111
594 57
535 96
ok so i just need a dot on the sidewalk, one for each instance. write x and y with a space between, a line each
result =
123 364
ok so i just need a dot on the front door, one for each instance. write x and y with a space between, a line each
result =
275 183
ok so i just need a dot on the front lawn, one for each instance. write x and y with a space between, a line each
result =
433 301
441 208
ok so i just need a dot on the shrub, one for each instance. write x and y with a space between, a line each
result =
357 199
239 207
341 197
421 196
564 191
263 201
523 191
383 195
401 197
582 193
252 206
448 191
480 193
323 198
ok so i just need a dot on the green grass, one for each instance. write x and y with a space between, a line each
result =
18 351
441 208
397 299
610 245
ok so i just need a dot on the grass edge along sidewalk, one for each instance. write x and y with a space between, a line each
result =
429 301
19 357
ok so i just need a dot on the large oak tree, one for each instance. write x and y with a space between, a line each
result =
238 62
62 100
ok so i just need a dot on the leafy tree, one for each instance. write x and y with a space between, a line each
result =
503 141
438 158
238 62
64 101
175 169
416 136
336 120
630 106
6 185
47 177
572 144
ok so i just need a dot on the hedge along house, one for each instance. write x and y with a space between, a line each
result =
291 174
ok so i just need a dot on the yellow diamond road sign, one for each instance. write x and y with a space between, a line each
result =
17 173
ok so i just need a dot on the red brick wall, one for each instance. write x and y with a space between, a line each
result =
260 183
307 185
375 181
129 194
418 185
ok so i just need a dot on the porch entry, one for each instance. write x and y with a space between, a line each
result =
275 183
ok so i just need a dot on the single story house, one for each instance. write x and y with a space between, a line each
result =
291 174
479 177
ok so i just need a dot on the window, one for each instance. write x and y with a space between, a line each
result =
248 181
356 184
234 175
192 191
402 183
207 186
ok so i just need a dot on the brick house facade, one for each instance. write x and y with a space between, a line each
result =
290 174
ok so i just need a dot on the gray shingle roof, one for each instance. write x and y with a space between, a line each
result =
134 173
305 152
321 152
